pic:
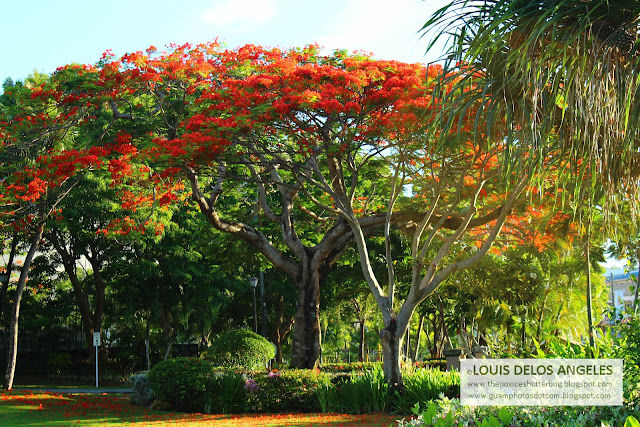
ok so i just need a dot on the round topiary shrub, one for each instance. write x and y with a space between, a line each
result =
240 349
181 383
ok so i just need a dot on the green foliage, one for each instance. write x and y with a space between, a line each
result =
562 349
327 397
288 390
631 422
142 394
347 367
629 350
424 385
240 349
505 415
448 413
440 364
226 393
365 392
181 383
58 363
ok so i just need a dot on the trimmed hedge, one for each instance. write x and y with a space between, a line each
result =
240 349
195 385
335 368
181 383
440 364
432 363
291 390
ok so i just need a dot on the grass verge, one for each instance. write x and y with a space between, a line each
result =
25 408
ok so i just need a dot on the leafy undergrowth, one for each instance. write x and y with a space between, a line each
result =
24 408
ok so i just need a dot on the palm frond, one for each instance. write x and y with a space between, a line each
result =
556 80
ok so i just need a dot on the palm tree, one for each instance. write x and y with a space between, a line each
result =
561 73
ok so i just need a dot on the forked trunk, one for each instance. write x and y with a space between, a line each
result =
306 327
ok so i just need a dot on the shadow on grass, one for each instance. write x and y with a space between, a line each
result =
25 408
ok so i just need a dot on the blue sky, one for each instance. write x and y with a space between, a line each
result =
44 34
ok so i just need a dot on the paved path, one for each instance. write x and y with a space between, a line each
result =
83 390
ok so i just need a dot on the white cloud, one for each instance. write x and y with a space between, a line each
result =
241 14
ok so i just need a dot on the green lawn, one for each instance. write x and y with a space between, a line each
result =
25 408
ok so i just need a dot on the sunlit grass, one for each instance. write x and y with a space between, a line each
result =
25 408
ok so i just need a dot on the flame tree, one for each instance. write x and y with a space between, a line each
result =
323 143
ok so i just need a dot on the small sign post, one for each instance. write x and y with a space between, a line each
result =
96 344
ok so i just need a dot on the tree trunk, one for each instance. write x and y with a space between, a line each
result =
436 349
5 284
82 301
407 345
417 348
170 341
391 347
83 306
167 328
306 327
98 282
426 334
15 313
540 315
281 329
445 329
361 345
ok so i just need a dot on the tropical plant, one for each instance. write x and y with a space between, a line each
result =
365 392
425 385
448 413
226 393
562 73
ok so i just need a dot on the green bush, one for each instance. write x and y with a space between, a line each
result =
142 394
181 383
440 364
424 385
448 413
58 363
294 390
629 350
226 393
335 368
240 349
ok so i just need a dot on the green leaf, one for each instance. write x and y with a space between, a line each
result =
490 422
631 422
416 409
505 415
430 413
447 421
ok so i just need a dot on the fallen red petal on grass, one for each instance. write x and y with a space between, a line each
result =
51 408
